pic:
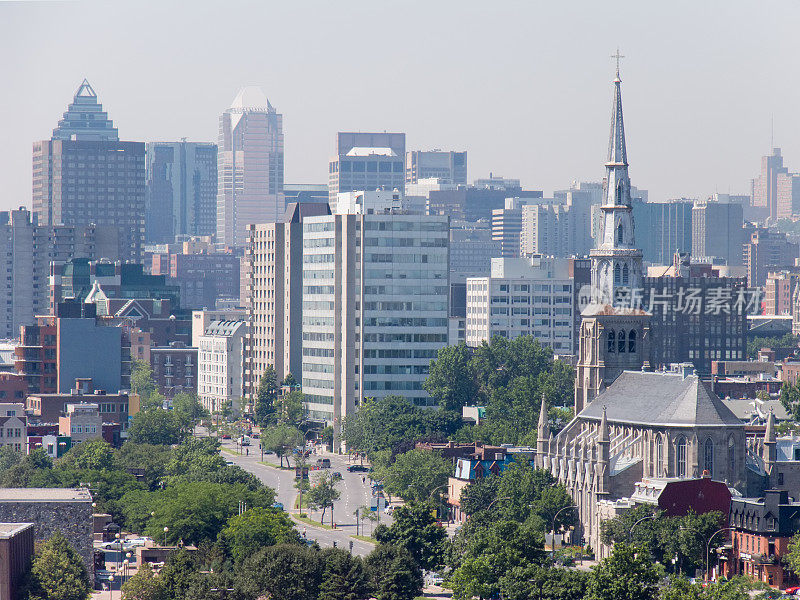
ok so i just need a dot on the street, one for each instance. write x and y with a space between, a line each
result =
355 493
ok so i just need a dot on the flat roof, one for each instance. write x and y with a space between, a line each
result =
9 530
45 495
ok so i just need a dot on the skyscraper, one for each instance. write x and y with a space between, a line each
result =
448 167
375 294
367 161
83 174
765 186
181 190
250 166
717 231
669 227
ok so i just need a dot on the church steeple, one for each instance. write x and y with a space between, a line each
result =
616 262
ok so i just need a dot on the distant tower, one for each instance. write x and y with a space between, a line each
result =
613 337
84 175
250 166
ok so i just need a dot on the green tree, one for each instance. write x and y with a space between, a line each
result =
289 381
188 406
145 585
292 409
628 574
93 454
181 573
142 381
344 576
58 572
266 396
194 511
790 398
282 440
152 458
536 582
415 529
792 558
254 529
416 474
394 574
282 572
323 494
450 380
157 426
755 344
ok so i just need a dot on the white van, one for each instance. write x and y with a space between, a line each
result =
244 441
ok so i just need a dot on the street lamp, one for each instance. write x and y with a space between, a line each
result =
166 530
119 556
708 544
497 500
110 587
555 516
630 531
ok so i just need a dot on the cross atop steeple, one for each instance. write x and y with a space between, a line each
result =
617 56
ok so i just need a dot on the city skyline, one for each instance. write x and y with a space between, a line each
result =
542 102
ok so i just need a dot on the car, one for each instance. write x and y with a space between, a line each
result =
244 441
357 469
792 591
436 579
226 436
278 505
389 509
337 475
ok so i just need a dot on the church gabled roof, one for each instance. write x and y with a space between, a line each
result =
661 399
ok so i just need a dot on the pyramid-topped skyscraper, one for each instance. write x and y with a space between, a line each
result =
85 119
85 176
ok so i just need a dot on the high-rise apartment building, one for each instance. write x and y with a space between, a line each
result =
717 231
507 225
546 230
181 193
522 296
765 185
367 161
767 250
250 166
472 203
274 264
84 175
668 226
471 248
27 249
779 292
448 167
375 308
787 189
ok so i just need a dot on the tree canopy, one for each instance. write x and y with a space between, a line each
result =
58 572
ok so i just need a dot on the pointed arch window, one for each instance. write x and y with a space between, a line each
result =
621 341
619 234
619 193
731 458
632 341
625 274
617 274
659 456
612 341
680 457
708 457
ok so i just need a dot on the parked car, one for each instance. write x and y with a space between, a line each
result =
226 436
389 509
244 441
278 505
336 475
324 463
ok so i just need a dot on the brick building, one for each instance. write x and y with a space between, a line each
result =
174 368
47 408
762 530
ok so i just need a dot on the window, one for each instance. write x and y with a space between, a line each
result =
780 478
625 274
617 273
659 456
619 233
632 341
708 457
621 342
680 458
612 340
731 457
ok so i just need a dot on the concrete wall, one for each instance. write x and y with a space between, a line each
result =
88 350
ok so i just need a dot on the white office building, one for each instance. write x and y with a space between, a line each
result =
372 320
220 361
523 296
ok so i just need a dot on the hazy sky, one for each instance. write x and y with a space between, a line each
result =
524 86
